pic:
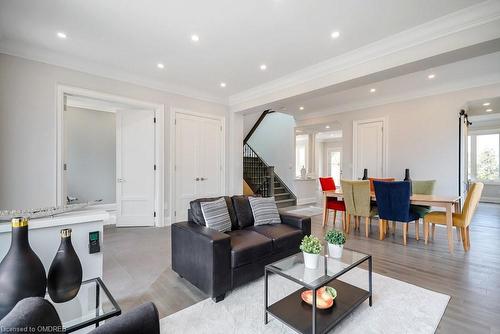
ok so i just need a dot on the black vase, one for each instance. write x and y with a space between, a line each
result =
407 175
65 273
22 273
365 174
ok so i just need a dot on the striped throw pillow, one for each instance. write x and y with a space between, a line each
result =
264 210
216 215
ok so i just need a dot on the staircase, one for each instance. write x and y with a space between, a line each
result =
263 180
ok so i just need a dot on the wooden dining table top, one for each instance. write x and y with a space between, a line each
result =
414 198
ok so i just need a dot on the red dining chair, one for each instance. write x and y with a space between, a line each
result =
328 184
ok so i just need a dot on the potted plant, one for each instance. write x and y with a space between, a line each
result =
311 247
336 241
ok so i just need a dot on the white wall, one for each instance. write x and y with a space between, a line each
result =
90 154
273 141
28 127
422 135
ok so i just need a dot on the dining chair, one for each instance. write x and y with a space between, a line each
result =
357 203
328 184
393 204
386 179
460 220
421 187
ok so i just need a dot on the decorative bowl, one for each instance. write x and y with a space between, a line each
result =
325 297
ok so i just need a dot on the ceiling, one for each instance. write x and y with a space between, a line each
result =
482 107
472 72
235 37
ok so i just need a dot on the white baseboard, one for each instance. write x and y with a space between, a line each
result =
490 200
307 200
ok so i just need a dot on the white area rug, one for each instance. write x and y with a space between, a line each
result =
398 307
309 211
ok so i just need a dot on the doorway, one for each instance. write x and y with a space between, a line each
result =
199 160
370 148
109 154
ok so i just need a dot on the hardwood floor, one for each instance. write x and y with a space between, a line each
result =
137 269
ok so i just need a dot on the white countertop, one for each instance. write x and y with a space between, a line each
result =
70 218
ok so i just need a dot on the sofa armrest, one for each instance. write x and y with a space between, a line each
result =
301 222
143 319
203 257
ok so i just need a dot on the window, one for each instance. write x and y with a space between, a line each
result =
334 164
301 153
484 158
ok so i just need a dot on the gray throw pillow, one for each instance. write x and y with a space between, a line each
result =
216 215
264 210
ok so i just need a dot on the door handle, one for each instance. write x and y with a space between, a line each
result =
197 179
120 180
203 179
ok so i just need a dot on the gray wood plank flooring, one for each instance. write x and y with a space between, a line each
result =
137 269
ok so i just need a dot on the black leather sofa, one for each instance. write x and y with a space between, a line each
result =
217 262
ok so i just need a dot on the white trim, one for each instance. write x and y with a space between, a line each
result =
489 200
466 27
385 137
173 113
481 118
62 90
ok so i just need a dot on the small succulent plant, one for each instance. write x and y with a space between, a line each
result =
335 237
311 244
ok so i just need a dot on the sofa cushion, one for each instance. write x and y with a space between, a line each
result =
264 210
243 211
197 214
283 236
248 246
216 215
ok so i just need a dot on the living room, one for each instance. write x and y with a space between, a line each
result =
204 162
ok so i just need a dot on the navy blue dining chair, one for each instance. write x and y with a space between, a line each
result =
393 202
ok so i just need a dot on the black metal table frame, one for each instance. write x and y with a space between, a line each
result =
95 321
270 268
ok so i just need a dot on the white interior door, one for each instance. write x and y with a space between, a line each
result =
135 159
198 160
334 163
369 148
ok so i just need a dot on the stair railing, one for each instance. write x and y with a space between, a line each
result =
257 174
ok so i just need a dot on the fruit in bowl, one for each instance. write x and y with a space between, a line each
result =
325 297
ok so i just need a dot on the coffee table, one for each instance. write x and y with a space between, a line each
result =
93 304
305 318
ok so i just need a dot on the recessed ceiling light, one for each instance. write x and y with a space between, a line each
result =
223 84
195 38
160 65
263 67
489 110
61 35
335 34
373 90
486 104
301 108
431 76
327 127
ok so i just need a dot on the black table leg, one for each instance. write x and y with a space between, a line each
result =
265 296
97 302
370 279
314 312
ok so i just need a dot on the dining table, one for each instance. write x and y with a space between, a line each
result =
450 203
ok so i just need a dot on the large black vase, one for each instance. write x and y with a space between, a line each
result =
21 272
65 273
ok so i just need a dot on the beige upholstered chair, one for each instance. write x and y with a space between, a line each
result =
460 220
357 202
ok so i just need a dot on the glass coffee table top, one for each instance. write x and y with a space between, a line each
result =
293 268
93 304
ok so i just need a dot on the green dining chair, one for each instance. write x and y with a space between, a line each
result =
424 187
357 202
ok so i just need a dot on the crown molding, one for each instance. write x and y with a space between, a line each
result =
469 26
26 51
484 118
477 82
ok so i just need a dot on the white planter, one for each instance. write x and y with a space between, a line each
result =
311 260
335 251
